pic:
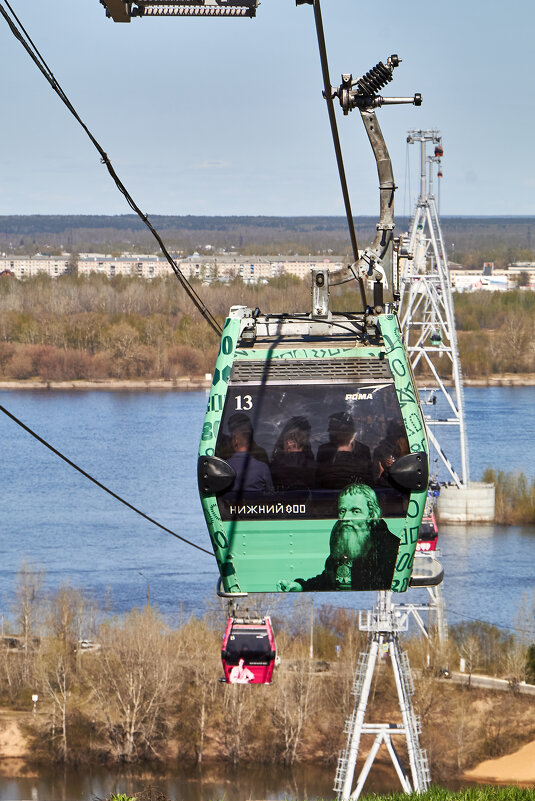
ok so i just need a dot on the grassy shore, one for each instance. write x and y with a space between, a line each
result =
470 794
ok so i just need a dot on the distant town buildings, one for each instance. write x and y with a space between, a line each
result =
28 266
204 267
225 267
516 274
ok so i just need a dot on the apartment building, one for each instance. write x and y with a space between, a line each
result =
28 266
204 267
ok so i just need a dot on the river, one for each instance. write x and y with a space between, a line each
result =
143 446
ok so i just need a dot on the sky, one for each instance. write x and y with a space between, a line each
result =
226 116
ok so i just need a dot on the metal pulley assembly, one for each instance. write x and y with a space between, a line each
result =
362 92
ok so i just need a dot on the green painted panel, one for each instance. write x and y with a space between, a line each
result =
274 550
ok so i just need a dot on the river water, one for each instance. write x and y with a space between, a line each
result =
143 446
206 784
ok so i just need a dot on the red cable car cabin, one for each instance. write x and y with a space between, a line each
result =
428 535
248 653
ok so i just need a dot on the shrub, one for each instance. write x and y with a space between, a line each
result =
20 365
6 352
184 360
515 498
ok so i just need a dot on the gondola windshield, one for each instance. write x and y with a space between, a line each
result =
249 644
295 446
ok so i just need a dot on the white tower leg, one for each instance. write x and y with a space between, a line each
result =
426 311
384 623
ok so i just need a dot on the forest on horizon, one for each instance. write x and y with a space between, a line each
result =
468 240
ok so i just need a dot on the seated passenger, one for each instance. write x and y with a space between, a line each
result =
252 475
394 445
343 460
240 674
225 449
293 464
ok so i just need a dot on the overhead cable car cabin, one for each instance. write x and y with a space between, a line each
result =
248 652
313 462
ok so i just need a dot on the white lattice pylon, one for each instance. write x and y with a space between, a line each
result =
426 310
384 623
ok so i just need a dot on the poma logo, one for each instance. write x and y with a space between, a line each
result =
359 396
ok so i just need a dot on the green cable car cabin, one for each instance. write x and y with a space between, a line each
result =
313 463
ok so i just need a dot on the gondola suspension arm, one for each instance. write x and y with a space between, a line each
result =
362 94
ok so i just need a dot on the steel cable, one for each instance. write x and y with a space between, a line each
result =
23 37
98 483
336 140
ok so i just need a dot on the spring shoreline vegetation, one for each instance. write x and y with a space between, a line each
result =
71 329
133 689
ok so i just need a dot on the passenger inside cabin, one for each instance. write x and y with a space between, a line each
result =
343 460
240 421
293 465
252 474
394 445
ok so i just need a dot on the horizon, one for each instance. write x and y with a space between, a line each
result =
264 216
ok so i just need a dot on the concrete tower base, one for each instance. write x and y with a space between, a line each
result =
471 504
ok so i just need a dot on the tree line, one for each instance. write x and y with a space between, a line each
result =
134 688
93 328
469 240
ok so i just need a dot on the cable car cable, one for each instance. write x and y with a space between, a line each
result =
339 283
98 483
489 622
336 139
297 318
38 59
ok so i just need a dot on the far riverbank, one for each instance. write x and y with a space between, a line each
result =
205 382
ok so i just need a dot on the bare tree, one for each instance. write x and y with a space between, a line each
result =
292 705
53 675
131 677
200 670
515 664
243 708
11 672
28 610
471 651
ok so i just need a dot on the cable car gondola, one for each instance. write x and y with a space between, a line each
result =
333 403
428 536
248 652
